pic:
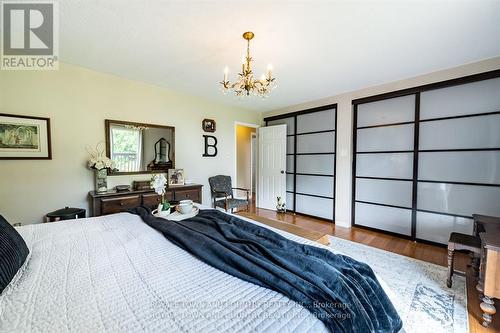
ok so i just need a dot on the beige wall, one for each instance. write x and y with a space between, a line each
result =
343 189
243 156
78 100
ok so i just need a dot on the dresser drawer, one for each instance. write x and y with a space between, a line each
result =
152 200
187 194
116 205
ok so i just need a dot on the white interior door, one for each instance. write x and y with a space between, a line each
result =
272 166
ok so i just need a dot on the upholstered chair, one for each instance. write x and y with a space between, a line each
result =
222 193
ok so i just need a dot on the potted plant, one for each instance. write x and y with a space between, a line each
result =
159 184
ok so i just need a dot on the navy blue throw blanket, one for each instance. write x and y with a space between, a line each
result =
340 291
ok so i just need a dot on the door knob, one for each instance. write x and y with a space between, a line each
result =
282 171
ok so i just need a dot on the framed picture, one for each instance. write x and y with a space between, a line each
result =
24 137
175 177
208 125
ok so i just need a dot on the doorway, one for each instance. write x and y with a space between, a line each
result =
245 158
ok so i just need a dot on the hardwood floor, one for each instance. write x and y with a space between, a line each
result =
425 252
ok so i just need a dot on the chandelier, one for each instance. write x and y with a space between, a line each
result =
246 83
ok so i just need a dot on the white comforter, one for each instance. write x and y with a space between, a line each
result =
116 274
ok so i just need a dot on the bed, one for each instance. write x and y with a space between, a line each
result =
114 273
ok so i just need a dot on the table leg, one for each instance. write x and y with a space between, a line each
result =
488 307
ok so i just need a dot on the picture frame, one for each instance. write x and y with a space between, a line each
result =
175 177
208 125
24 137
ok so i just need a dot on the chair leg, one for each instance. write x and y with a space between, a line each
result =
451 253
475 265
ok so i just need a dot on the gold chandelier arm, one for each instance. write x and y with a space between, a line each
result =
258 84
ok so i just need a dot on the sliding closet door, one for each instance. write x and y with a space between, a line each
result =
429 159
459 158
315 161
383 183
311 161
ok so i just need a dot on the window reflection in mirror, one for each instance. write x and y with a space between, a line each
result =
140 148
126 148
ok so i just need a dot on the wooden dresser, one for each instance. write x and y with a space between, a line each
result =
114 202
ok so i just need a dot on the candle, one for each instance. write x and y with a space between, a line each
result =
269 69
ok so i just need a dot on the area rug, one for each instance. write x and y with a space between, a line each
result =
419 289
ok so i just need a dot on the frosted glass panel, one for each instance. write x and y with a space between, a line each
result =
396 220
318 164
289 122
391 192
437 228
316 143
315 206
477 97
388 111
316 121
390 165
315 185
398 137
289 164
289 201
468 166
289 144
474 132
459 199
289 182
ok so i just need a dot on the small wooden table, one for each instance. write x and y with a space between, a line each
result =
293 229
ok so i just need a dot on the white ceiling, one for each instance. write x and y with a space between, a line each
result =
318 48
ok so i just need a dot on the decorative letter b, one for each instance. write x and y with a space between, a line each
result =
208 145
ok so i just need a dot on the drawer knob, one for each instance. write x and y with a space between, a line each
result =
121 203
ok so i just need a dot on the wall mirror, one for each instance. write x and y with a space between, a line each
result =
140 148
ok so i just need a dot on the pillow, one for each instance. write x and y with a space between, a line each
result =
13 252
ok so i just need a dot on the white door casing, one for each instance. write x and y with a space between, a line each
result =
272 166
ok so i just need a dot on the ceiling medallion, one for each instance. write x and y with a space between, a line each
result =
246 84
